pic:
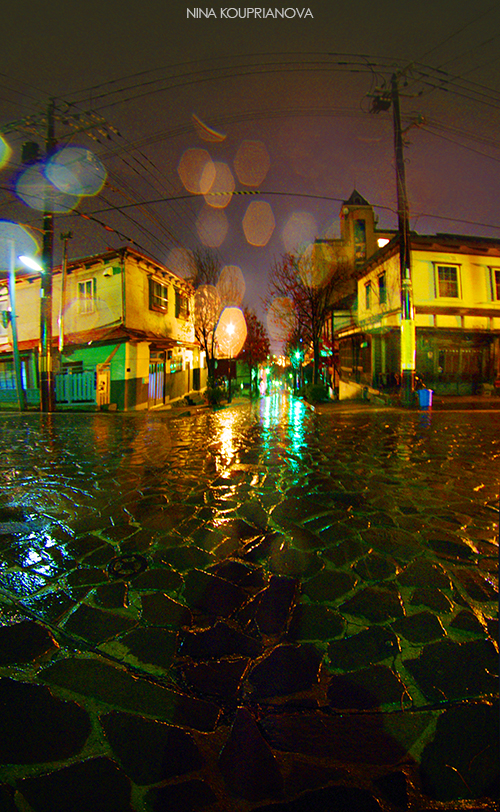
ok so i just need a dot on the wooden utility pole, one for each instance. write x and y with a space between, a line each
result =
47 383
407 310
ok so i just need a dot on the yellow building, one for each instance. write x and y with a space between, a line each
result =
456 298
122 334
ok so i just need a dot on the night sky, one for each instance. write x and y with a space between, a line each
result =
299 89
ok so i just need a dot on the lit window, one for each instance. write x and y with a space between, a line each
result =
382 290
87 296
368 295
447 277
158 295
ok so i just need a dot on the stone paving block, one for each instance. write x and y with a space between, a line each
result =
155 646
150 751
375 567
161 610
424 573
467 621
162 578
315 622
212 595
346 549
239 573
399 544
433 598
450 548
306 774
184 557
186 796
294 563
270 608
24 642
97 625
286 670
112 596
329 585
419 628
463 761
346 738
247 763
328 799
37 727
87 576
217 641
476 585
118 688
448 670
296 509
362 649
303 538
262 547
96 784
375 604
367 689
218 679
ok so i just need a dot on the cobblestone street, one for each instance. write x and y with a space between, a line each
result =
259 607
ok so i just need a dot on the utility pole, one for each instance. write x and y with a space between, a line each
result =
407 310
47 384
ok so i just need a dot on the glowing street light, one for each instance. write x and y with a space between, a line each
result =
14 238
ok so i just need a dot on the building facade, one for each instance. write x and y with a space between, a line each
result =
456 299
122 331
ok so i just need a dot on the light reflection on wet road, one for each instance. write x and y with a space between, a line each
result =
372 534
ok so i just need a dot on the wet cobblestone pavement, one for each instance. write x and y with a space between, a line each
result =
255 608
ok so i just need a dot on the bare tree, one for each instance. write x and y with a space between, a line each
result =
207 303
309 282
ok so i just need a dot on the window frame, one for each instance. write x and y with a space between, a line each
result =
448 266
86 303
157 301
382 288
181 305
368 295
495 283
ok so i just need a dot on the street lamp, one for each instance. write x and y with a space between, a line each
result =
14 239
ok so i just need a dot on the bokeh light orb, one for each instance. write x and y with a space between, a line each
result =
316 264
231 332
281 319
251 163
212 226
196 171
15 241
231 285
5 152
300 230
181 262
37 192
76 171
222 187
258 223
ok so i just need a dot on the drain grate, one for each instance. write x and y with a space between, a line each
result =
127 566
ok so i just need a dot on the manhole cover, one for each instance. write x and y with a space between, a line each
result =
127 565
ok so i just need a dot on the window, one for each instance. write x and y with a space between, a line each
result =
368 295
382 290
87 296
181 306
158 295
495 284
447 281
